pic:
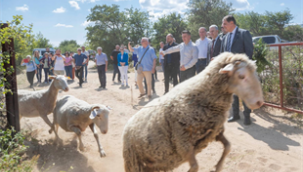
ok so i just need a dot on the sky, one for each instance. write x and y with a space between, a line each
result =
60 20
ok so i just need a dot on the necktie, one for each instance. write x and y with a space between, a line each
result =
228 48
212 49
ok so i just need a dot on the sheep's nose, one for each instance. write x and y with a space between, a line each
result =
260 103
104 132
66 89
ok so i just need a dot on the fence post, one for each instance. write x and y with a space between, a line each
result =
11 100
281 76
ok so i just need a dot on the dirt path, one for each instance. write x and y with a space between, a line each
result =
272 143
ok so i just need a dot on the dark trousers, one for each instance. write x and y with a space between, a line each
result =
46 72
171 71
116 71
201 65
51 72
79 75
156 76
153 84
188 73
30 77
235 106
102 76
39 73
68 70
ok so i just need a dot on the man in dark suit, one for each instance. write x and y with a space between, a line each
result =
214 47
237 41
171 63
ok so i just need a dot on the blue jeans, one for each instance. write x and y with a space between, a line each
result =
201 65
116 70
68 70
85 70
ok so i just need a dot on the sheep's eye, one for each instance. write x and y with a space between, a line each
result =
98 116
241 76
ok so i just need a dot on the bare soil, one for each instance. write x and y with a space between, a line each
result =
273 143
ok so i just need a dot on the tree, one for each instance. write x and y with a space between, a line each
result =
113 26
277 21
68 45
293 33
173 24
252 21
41 41
269 24
138 23
204 13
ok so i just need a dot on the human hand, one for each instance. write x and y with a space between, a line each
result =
182 68
153 70
106 69
162 53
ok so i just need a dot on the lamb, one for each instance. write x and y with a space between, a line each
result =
172 129
74 115
41 103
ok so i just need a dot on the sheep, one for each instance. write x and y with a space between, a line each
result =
41 103
172 129
74 115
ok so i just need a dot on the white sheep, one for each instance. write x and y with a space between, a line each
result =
74 115
41 103
172 129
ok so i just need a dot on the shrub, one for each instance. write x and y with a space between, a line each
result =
11 149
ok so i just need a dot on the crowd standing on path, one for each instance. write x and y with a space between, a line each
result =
183 60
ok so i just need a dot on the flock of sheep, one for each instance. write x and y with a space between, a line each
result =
169 130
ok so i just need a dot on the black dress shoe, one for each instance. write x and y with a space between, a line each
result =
233 119
247 120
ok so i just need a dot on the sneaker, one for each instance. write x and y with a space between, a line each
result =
100 87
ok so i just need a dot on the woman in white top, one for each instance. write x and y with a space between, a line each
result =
59 63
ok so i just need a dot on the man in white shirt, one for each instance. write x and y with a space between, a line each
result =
202 45
86 53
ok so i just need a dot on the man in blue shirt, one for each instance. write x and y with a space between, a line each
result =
101 61
79 61
147 65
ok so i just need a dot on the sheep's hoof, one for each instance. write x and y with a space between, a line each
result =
81 148
193 169
50 131
59 141
218 168
102 153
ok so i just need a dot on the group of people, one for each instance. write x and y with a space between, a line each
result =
195 57
179 61
54 64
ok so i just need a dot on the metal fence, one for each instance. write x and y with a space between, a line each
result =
282 81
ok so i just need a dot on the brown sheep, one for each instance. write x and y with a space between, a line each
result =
172 129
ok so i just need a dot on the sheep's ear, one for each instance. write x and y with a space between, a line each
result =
94 107
93 114
227 69
109 108
52 77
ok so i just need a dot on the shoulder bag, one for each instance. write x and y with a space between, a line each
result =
138 68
